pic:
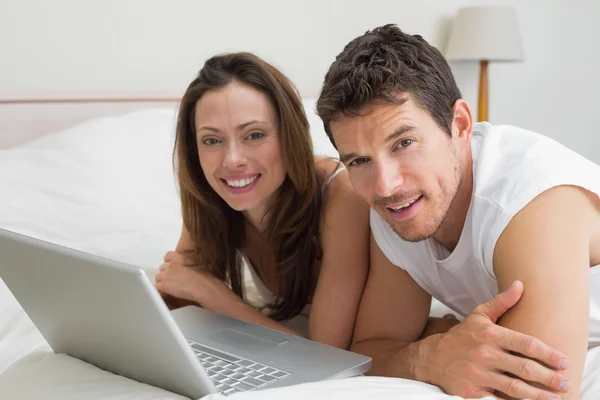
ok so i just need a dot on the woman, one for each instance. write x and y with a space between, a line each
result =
255 198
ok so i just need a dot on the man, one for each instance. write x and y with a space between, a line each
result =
462 212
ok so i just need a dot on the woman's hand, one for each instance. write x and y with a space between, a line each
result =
177 278
174 303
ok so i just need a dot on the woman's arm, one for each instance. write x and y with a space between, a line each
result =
184 245
181 285
187 285
345 244
344 266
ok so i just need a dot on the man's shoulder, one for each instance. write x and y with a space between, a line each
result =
509 162
511 167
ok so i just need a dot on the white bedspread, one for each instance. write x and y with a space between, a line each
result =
62 377
29 370
106 187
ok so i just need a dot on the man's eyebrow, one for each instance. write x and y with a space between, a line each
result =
394 135
399 132
344 158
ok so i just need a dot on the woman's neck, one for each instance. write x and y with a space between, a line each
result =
256 219
255 247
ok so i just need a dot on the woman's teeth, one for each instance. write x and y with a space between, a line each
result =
241 182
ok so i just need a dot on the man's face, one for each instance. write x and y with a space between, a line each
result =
402 163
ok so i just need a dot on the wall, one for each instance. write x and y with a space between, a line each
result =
113 47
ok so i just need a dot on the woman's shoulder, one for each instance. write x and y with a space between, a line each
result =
338 194
332 175
326 166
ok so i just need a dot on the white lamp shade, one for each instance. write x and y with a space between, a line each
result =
485 33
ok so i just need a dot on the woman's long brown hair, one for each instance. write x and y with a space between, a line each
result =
217 230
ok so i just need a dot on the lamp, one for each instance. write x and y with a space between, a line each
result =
485 34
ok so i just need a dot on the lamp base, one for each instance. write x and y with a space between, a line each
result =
482 110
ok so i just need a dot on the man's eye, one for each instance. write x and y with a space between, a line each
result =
405 142
210 141
358 161
255 135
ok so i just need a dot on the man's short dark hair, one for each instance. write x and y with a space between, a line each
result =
380 65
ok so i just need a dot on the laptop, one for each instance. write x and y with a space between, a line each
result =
110 315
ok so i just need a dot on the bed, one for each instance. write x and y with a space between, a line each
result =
95 174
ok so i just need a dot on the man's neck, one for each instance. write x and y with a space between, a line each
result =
450 230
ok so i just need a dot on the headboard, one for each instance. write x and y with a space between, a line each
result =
25 119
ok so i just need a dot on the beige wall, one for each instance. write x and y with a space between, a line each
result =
73 47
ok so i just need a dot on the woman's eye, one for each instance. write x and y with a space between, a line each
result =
405 142
255 135
358 161
210 141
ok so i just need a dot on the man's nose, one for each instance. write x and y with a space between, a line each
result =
388 177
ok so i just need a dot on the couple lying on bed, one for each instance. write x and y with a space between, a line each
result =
500 224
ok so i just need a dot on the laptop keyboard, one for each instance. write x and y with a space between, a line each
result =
231 374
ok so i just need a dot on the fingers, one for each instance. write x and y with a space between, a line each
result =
496 307
532 371
170 256
159 276
516 388
532 347
173 256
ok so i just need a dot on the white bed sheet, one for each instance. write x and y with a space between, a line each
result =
30 370
71 188
62 378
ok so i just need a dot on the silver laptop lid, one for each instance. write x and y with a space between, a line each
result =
100 311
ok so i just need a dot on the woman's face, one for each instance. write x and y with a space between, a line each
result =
239 145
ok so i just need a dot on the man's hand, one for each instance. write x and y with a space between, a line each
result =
473 358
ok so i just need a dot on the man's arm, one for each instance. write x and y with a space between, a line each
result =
546 246
468 360
393 313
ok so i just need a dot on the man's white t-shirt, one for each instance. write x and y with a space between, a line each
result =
511 166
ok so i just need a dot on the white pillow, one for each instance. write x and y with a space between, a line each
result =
105 186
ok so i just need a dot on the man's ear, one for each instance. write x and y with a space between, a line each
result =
462 124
